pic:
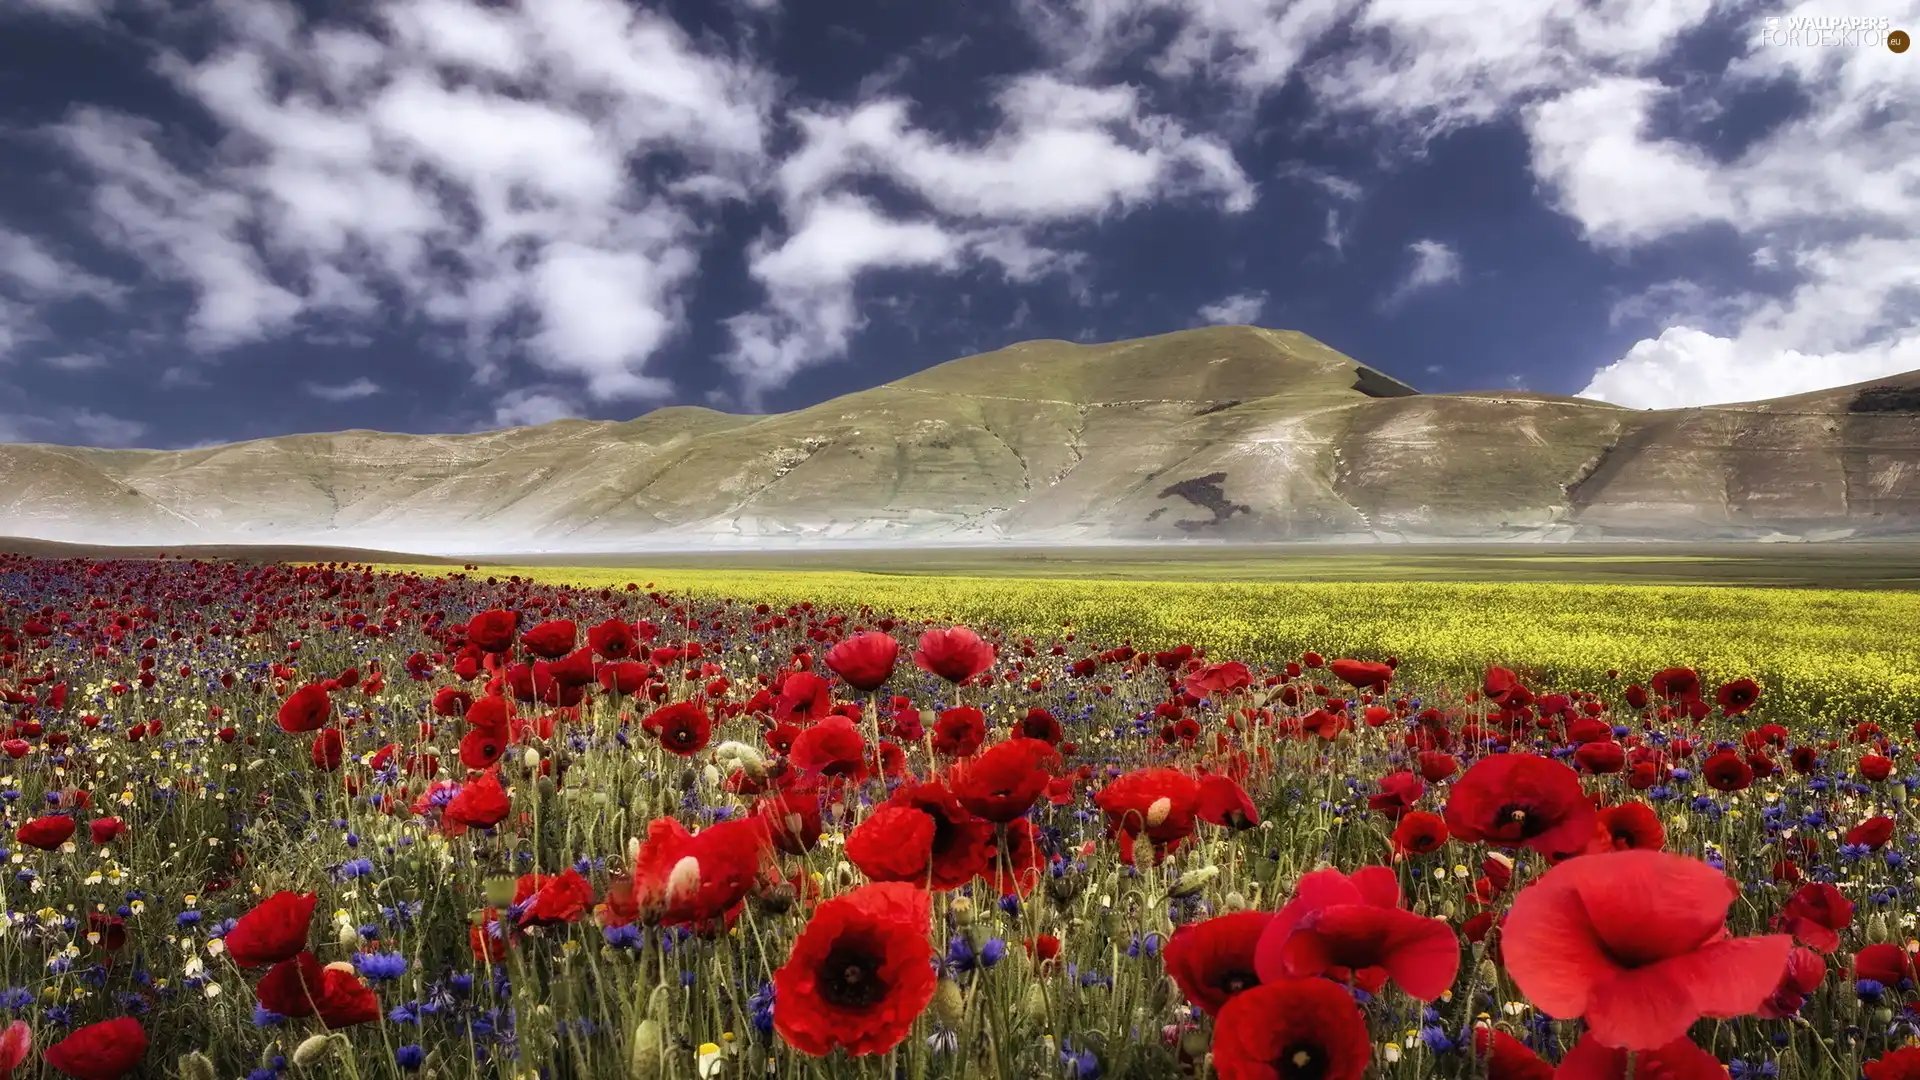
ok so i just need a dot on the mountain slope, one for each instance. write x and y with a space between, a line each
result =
1228 433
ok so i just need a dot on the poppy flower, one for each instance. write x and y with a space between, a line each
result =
1043 948
1888 965
46 833
613 640
492 631
1218 679
793 820
103 1051
1039 724
1212 960
1902 1064
481 803
1521 800
1362 675
623 676
1156 803
1508 1058
1737 696
955 654
1727 771
1420 833
1436 765
106 830
922 834
683 728
550 640
859 974
553 899
1398 792
1872 833
1353 927
1805 971
1222 802
959 731
1628 827
832 747
683 878
275 930
1875 768
291 986
864 661
306 709
1591 1059
1002 783
804 697
1291 1028
329 747
16 1045
1636 942
1601 758
1014 861
1815 915
1676 683
345 1000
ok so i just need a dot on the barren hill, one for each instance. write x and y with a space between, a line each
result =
1228 433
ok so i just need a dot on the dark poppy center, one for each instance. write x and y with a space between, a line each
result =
1522 820
1301 1063
849 978
1235 981
943 831
682 735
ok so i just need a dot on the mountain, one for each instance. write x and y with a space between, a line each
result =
1227 433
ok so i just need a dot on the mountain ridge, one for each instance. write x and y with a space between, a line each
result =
1240 434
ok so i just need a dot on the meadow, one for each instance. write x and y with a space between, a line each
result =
682 822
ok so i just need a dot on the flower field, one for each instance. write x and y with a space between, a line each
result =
358 823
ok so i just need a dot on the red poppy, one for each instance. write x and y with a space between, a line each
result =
683 728
1222 802
1218 679
290 986
1815 915
956 654
1676 683
1362 675
1353 927
492 631
1521 800
1628 827
832 747
1014 861
552 639
859 974
1156 803
683 878
1737 696
344 999
329 746
16 1045
1212 960
481 803
1398 792
1040 724
553 899
275 930
104 1051
1591 1059
1888 965
793 820
959 731
306 709
923 834
1806 969
1636 942
46 833
613 640
804 698
106 830
1291 1028
1727 771
624 676
1436 766
1873 832
1043 948
1875 767
864 661
1002 783
1601 758
1508 1058
1902 1064
1420 833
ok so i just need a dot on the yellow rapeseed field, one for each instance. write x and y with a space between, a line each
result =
1821 655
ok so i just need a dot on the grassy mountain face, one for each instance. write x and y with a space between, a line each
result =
1227 433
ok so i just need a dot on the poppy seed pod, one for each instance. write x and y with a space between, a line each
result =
313 1050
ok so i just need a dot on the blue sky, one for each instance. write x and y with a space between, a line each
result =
225 219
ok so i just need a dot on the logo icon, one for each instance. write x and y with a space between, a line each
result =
1898 41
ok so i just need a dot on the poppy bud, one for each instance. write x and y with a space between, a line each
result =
1877 930
949 1004
313 1050
1489 973
1191 882
1036 1002
348 936
530 759
1234 901
1194 1043
961 911
645 1060
195 1065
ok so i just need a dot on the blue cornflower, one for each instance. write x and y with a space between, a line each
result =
410 1057
381 967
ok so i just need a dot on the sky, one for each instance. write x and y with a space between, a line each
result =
230 219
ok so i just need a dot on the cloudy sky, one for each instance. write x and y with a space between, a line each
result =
223 219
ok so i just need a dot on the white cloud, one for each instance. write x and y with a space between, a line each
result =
1238 309
354 390
76 9
1434 264
75 362
530 408
69 427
